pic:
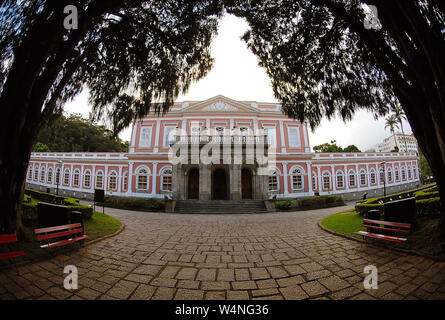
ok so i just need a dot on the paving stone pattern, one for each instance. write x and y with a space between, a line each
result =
261 256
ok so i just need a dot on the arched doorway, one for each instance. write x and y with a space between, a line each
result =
246 184
193 184
219 184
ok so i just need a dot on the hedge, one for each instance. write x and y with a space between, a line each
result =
310 203
141 204
427 201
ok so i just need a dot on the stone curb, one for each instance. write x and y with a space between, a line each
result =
379 245
107 236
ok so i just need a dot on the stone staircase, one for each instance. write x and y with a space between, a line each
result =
220 206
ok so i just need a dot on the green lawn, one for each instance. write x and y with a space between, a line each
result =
345 222
101 225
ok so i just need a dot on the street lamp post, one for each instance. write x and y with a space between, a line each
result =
384 178
58 176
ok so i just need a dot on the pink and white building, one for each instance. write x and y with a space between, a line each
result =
293 170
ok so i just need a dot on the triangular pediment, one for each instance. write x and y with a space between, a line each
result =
219 104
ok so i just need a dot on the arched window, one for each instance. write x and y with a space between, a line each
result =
99 180
326 180
36 173
87 179
125 183
112 181
66 177
297 179
403 173
76 176
382 176
273 180
142 179
42 174
362 177
409 173
50 176
30 173
340 177
414 172
352 178
373 176
389 174
166 177
396 174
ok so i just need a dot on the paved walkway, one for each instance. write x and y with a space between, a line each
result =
263 256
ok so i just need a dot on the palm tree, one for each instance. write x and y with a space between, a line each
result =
399 115
391 123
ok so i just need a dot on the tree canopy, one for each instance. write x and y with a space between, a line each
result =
333 147
74 133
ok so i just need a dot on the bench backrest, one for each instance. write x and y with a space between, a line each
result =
388 223
58 231
8 238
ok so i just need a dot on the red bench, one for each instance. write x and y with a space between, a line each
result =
378 225
7 239
49 233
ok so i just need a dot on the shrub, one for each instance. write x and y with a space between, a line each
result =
142 204
284 205
428 207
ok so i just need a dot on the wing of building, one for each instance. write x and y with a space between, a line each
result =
221 149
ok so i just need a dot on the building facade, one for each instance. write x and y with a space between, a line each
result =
403 142
221 149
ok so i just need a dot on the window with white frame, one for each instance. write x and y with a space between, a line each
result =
340 179
396 174
145 138
415 172
403 173
30 173
273 180
36 173
352 178
293 134
382 175
50 176
112 181
58 176
362 177
271 134
326 181
87 179
373 176
169 132
125 183
314 181
409 173
389 175
76 177
66 177
142 179
297 179
42 174
99 180
166 177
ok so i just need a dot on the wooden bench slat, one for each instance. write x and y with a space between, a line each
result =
63 242
8 238
57 228
10 255
385 229
380 236
59 234
388 223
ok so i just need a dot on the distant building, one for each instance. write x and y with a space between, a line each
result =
398 140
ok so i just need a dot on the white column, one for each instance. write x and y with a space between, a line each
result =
153 185
285 177
319 180
81 177
283 142
119 180
334 186
158 125
309 177
133 138
130 179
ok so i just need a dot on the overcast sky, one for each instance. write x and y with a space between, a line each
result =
236 75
